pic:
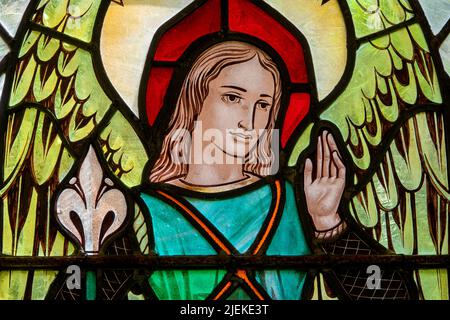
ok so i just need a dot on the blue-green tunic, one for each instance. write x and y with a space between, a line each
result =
239 219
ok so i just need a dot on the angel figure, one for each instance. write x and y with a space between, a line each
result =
234 155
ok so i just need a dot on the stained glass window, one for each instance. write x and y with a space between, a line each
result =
224 150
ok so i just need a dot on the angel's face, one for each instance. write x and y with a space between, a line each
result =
238 105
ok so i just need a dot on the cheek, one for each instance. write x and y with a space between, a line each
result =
211 114
220 116
261 119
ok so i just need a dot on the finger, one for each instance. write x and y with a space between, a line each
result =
308 172
333 168
326 155
319 158
332 143
341 168
333 148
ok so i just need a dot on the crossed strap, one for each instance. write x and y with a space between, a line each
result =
223 246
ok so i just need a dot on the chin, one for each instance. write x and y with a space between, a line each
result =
240 151
241 155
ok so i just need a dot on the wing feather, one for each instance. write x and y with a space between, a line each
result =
55 107
391 119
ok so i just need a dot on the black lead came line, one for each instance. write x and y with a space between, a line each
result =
5 36
443 34
387 31
61 36
218 261
4 63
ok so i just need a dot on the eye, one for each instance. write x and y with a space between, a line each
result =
231 98
263 105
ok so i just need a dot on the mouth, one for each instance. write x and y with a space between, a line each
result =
242 136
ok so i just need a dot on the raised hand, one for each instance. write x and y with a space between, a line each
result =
323 194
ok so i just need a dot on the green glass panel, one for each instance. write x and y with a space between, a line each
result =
433 284
39 149
141 230
365 208
371 16
78 70
42 279
185 284
80 16
282 284
320 291
376 62
301 145
135 297
407 200
91 285
13 283
239 294
128 151
437 13
11 12
174 235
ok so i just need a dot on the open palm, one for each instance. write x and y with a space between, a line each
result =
324 192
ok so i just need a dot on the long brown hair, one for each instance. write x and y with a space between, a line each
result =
195 89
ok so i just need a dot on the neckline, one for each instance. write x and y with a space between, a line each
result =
236 186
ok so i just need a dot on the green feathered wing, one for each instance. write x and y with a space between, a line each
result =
57 107
391 117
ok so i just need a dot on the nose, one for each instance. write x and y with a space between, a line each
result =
243 126
247 122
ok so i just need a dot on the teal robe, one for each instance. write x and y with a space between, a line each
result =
239 219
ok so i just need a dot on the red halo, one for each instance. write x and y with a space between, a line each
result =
246 18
